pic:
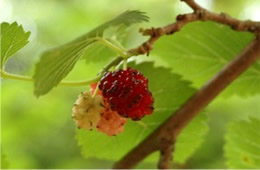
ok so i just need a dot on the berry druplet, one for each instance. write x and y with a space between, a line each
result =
127 93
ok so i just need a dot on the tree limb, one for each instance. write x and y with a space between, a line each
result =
199 14
174 124
166 151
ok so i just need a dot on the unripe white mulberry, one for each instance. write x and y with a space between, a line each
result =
87 109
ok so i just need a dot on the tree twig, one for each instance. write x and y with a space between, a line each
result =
199 14
175 123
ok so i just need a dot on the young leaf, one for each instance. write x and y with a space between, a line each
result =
242 148
201 49
169 92
13 38
55 64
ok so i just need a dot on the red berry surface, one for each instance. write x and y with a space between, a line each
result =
127 93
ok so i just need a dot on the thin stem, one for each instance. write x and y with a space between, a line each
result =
15 77
125 64
112 46
80 83
96 90
114 62
63 83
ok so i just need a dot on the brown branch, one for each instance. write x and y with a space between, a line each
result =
166 151
199 14
169 130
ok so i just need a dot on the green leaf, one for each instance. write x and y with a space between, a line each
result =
201 49
169 92
242 148
56 64
97 52
13 38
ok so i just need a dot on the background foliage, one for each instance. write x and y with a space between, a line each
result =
35 133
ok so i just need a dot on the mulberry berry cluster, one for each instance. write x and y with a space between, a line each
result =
122 94
94 112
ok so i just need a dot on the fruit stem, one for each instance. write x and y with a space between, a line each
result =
125 64
96 90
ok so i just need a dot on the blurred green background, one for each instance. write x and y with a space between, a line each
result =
39 133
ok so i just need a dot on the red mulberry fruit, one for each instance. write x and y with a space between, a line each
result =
127 93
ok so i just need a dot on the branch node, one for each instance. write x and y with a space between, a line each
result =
201 13
180 17
144 48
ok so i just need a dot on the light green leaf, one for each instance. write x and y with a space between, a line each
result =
55 64
201 49
169 92
242 148
13 38
97 52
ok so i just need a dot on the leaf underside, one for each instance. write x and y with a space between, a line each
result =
56 64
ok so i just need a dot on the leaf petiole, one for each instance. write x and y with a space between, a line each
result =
113 47
14 76
63 83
